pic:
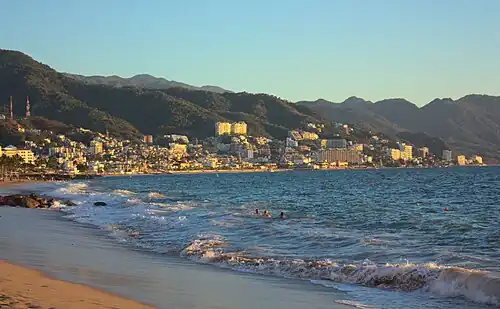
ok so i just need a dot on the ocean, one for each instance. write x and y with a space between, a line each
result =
387 238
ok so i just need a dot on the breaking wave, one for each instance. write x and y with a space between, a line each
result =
478 286
147 213
155 195
123 192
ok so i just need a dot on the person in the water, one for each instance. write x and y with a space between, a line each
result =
257 211
267 214
282 215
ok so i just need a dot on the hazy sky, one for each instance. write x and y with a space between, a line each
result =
296 49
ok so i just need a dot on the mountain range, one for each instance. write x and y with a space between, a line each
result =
143 104
469 125
141 81
129 110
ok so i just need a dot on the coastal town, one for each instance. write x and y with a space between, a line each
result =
230 148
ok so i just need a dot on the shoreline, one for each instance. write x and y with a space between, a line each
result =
82 257
281 170
21 286
86 255
17 183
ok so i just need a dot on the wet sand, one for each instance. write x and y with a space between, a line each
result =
16 183
25 288
62 249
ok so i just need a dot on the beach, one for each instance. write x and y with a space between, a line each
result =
16 183
43 240
21 287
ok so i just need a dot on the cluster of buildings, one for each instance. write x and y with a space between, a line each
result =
231 147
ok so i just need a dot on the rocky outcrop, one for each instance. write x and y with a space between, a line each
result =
26 201
29 202
100 204
68 203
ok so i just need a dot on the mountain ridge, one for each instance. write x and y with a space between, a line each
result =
470 124
141 81
129 112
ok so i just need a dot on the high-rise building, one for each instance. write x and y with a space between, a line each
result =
461 160
423 152
478 159
239 128
447 155
148 139
394 154
408 150
342 155
222 128
95 147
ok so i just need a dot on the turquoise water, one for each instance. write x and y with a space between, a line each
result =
382 236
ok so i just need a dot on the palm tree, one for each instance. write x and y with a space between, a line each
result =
7 166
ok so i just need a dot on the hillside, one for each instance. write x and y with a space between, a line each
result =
141 81
129 112
469 125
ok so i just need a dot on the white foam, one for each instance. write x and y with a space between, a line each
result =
133 201
173 207
355 304
477 286
155 195
123 192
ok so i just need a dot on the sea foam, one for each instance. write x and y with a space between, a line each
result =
478 286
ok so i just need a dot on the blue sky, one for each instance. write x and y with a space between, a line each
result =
296 49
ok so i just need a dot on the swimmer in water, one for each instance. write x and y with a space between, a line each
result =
267 214
257 211
282 215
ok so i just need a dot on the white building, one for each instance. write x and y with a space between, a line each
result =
447 155
246 154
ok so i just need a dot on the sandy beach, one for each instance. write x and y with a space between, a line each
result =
21 287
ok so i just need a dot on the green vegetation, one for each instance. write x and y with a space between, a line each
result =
128 112
9 165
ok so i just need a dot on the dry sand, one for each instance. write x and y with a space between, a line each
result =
25 288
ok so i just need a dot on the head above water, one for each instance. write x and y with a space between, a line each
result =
257 211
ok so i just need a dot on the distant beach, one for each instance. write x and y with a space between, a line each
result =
15 183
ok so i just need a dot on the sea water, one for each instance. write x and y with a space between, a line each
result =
389 238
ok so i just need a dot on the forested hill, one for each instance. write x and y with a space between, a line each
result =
131 111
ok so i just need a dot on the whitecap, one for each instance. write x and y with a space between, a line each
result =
155 195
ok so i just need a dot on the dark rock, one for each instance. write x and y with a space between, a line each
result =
44 203
13 200
100 204
30 202
68 203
